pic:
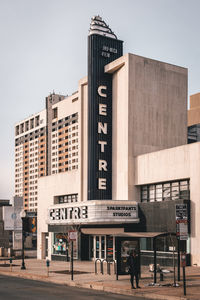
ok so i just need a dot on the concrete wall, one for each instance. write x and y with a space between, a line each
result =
149 114
173 164
83 138
119 130
68 182
194 111
48 187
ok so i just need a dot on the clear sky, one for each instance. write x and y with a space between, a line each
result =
43 47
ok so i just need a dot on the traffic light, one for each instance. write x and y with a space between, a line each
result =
30 224
33 225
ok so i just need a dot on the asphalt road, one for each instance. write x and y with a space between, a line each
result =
19 289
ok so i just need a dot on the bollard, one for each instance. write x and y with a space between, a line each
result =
108 267
161 276
102 265
98 259
48 264
10 264
115 267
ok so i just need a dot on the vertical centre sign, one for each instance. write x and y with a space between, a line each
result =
101 51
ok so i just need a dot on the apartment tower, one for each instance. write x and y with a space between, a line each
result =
45 143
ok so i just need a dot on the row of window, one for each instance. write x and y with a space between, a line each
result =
69 129
32 136
65 163
173 190
63 169
68 198
65 119
66 149
27 125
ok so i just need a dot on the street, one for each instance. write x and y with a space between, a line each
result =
18 288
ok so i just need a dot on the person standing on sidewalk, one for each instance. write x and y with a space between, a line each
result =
134 268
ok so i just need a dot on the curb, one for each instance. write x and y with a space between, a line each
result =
97 287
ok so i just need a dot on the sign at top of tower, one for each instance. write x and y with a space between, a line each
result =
98 26
103 48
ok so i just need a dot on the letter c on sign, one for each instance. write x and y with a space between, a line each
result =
51 214
100 88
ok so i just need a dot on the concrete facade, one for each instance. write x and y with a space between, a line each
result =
30 157
172 164
194 111
149 114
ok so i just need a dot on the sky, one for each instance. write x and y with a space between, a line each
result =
43 47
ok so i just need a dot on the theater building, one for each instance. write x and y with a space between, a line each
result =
125 143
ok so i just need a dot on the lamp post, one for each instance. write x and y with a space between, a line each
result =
23 217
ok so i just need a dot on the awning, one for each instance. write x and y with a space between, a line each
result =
120 232
141 234
102 231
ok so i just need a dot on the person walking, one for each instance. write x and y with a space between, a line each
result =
134 268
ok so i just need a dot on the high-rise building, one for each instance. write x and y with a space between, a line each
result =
45 143
30 158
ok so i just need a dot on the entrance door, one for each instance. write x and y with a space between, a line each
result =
110 248
99 242
104 247
97 248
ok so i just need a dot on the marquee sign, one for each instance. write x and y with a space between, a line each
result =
93 213
103 48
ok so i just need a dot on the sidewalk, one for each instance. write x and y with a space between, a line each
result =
86 278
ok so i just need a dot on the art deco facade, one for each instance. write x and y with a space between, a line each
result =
112 161
132 136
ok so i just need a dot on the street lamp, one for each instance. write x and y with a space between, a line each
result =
23 217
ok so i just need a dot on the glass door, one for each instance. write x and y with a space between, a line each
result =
109 243
97 246
99 242
102 246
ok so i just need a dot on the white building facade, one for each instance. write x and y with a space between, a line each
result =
128 171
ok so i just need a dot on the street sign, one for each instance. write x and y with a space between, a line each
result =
181 212
72 235
181 221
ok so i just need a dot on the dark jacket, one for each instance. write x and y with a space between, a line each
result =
133 264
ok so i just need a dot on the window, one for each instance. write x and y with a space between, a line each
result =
184 190
22 128
166 191
144 193
60 244
173 190
55 112
17 130
70 198
159 192
37 121
31 123
27 126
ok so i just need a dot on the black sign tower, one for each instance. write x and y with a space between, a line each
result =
103 48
